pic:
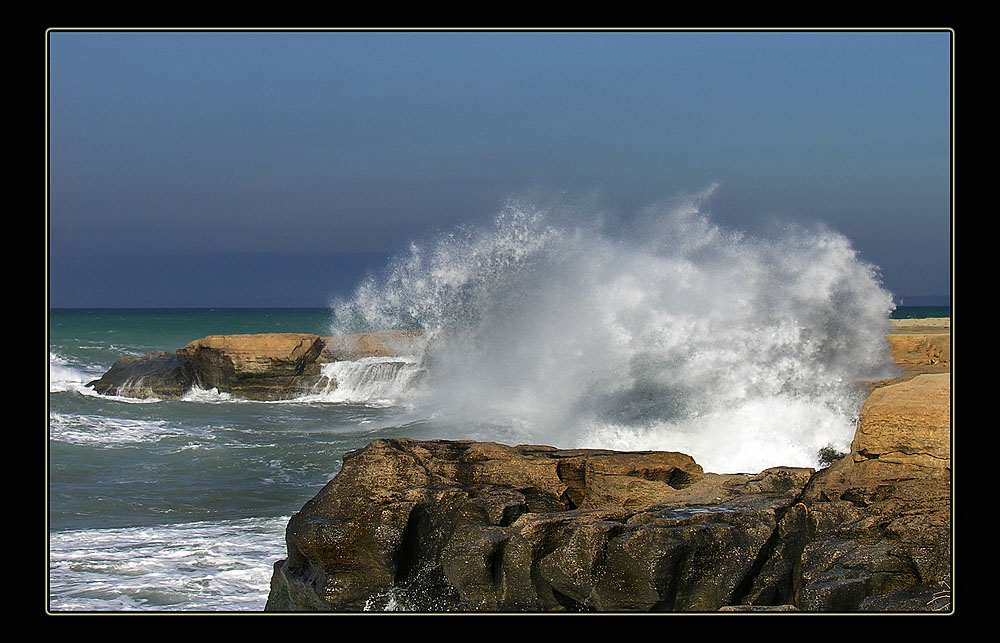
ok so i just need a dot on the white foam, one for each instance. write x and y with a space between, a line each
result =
741 350
203 566
372 380
66 375
773 430
109 431
207 396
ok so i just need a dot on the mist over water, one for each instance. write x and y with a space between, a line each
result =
669 332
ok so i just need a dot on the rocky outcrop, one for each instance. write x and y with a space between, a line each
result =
269 366
467 526
874 533
921 345
918 353
460 525
156 374
918 347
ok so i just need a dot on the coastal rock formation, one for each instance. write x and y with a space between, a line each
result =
156 374
257 367
875 530
268 366
918 347
921 345
467 526
461 525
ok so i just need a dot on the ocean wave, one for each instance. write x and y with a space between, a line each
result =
66 374
670 331
208 396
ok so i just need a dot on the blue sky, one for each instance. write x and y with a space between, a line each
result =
275 168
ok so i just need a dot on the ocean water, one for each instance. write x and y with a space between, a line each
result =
671 333
920 312
181 505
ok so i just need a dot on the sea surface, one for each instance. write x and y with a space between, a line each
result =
920 312
181 504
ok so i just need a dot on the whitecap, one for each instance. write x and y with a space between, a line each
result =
201 566
108 431
69 375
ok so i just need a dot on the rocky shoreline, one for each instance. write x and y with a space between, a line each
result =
268 366
469 526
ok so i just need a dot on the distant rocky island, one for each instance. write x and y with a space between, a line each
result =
472 526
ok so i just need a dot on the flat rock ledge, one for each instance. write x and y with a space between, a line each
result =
431 526
919 346
268 366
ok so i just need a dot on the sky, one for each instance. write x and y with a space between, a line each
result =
276 168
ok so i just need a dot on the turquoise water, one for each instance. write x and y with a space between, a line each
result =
99 336
181 504
920 312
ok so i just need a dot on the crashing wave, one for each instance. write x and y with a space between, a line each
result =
670 332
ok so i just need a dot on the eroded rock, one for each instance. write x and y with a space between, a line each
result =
156 374
268 366
873 531
458 525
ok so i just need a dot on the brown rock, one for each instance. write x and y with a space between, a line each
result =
443 525
155 375
918 346
634 480
466 526
267 366
874 530
259 367
268 353
907 424
921 352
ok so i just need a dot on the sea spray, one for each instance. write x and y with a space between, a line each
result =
671 332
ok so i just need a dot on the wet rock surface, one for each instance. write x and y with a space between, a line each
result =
156 374
456 525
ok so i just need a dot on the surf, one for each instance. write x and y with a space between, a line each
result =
661 330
